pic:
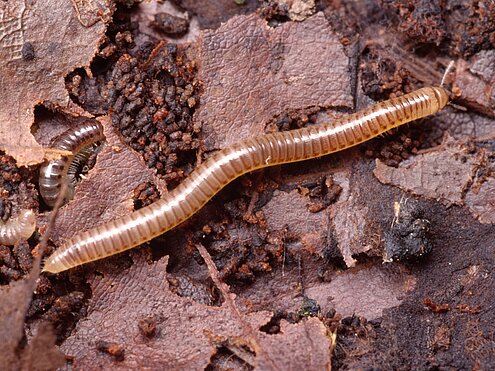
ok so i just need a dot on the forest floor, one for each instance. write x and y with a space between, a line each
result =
381 256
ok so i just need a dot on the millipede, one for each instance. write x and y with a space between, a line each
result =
229 163
19 228
78 140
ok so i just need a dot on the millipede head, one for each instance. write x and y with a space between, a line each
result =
442 96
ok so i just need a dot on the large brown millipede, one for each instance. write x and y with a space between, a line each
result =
77 140
226 165
16 229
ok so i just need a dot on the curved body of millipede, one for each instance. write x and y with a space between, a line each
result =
226 165
19 228
79 140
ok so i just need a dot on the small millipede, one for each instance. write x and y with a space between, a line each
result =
226 165
19 228
79 140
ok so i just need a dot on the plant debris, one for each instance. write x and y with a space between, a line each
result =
35 56
283 269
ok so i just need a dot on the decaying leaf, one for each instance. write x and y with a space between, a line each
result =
305 345
481 201
212 13
290 210
122 299
41 353
252 73
475 77
451 175
40 43
443 175
14 300
366 291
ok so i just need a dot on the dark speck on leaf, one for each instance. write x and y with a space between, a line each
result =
28 51
309 308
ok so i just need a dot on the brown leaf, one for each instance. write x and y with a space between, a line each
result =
40 43
302 346
211 13
449 174
443 174
252 73
89 12
349 217
290 210
41 352
481 202
14 300
365 291
476 80
465 125
121 299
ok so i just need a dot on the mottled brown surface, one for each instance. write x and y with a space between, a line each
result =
442 175
212 13
475 81
191 327
374 289
306 345
252 73
455 175
282 239
15 300
40 353
481 200
60 43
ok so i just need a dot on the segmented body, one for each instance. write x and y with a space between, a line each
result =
226 165
79 140
19 228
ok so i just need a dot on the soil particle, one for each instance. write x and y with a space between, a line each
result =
147 326
114 349
145 194
409 236
153 109
276 11
435 307
170 24
28 51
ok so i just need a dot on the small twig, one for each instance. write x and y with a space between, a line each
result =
224 289
42 246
